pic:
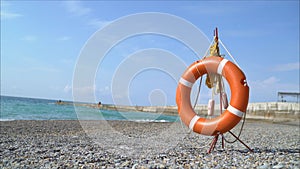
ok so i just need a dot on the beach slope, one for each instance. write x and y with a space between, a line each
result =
66 144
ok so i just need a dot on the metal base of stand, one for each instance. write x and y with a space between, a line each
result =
214 142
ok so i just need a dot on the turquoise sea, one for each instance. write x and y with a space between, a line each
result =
18 108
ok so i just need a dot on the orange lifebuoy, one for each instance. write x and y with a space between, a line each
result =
238 102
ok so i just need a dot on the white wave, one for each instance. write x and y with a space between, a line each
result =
150 120
7 119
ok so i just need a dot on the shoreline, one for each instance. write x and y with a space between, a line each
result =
295 122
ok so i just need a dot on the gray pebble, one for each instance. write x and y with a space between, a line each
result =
63 144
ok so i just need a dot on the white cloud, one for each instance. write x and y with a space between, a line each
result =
44 68
9 15
287 67
106 88
265 84
67 88
270 81
83 93
64 38
76 8
85 89
266 89
68 61
98 23
30 38
248 33
5 3
211 9
6 14
103 90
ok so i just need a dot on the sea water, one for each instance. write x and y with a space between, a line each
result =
18 108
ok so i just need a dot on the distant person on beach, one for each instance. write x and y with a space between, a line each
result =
59 102
99 104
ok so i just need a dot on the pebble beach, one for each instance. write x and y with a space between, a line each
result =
127 144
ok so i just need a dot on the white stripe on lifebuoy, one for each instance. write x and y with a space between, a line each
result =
186 83
235 111
193 121
221 66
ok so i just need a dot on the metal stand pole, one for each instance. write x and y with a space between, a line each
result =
214 142
240 141
222 141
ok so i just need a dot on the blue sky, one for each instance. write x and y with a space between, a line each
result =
41 42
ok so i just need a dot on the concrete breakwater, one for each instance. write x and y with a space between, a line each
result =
271 111
274 111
